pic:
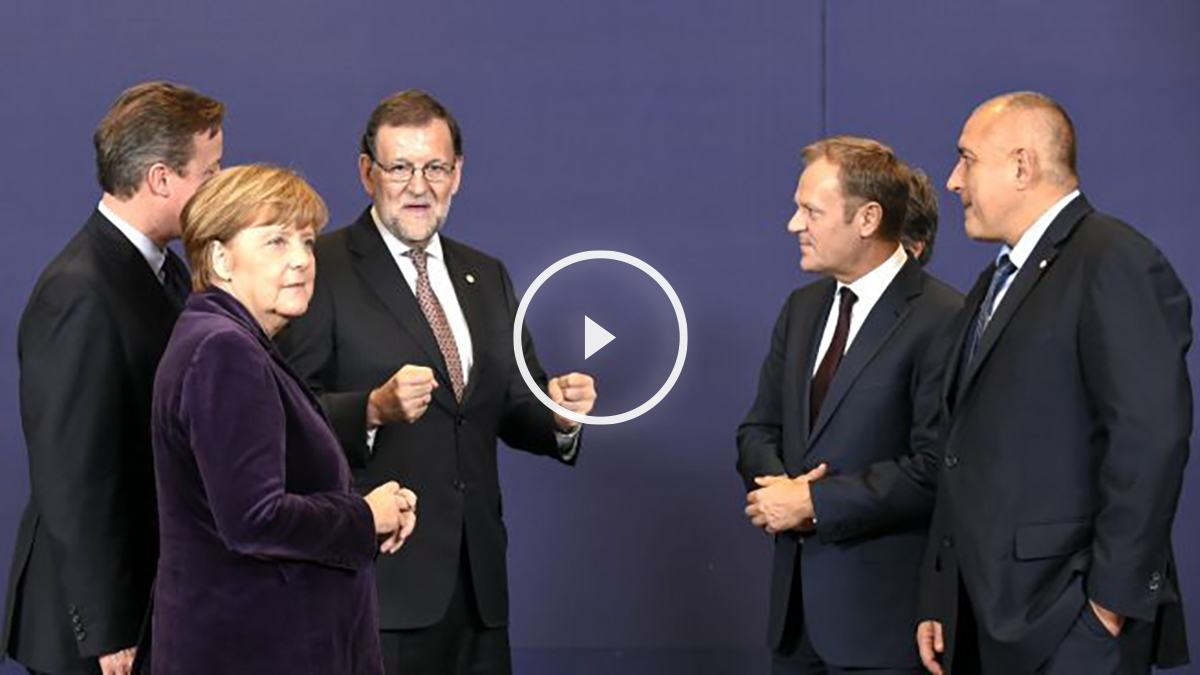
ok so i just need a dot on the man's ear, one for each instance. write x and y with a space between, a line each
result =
158 179
364 174
869 219
1026 168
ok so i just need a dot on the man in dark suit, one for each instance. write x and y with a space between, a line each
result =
1066 417
90 339
409 337
840 392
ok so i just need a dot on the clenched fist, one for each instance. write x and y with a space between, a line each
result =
403 398
575 392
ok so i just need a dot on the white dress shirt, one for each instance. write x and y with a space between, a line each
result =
155 256
1020 253
868 288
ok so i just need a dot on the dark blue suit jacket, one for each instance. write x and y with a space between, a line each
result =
1065 441
266 556
858 572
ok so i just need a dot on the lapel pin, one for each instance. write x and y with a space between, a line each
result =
471 277
1042 265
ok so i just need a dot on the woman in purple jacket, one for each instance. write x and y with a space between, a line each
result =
266 554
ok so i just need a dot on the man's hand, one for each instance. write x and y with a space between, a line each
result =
403 398
781 503
1113 623
931 645
575 392
118 663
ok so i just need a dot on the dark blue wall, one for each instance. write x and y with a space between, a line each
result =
666 130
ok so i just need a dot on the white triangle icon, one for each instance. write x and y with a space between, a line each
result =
594 337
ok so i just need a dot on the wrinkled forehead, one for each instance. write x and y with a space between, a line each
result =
431 140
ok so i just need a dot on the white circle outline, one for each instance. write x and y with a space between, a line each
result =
518 352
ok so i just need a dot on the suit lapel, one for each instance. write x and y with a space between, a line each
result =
1027 278
381 274
465 280
805 343
887 314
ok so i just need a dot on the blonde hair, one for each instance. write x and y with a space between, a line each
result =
241 197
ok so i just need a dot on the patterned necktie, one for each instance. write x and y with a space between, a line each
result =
175 279
432 309
833 356
1004 269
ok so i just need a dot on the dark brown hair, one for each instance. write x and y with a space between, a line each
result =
151 122
409 108
869 172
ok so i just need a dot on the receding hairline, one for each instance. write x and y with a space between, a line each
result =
1056 131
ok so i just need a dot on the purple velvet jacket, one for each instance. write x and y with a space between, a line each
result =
266 553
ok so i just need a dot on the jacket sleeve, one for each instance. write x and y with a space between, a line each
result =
72 394
528 424
235 423
760 435
1134 334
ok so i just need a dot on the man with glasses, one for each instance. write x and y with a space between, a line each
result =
409 340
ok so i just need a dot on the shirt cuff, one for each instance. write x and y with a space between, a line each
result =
568 443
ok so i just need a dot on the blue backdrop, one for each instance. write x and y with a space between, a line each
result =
667 130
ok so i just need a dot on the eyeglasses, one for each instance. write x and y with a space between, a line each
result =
402 172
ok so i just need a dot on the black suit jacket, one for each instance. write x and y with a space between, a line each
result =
858 574
363 324
1064 446
90 339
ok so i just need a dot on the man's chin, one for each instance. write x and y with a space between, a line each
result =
416 235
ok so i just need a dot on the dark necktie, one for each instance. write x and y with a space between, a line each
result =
432 309
175 280
833 356
1004 269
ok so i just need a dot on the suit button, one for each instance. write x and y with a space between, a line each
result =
80 635
948 541
461 420
461 486
1155 581
951 461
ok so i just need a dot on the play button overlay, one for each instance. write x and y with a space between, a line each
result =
595 337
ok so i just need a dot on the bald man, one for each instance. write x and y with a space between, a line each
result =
1065 417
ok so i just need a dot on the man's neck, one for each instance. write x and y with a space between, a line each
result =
135 213
1033 209
878 254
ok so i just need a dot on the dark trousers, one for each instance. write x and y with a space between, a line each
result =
796 655
459 644
802 659
1087 649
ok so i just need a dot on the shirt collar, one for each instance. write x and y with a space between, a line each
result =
870 287
154 255
399 248
1020 253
